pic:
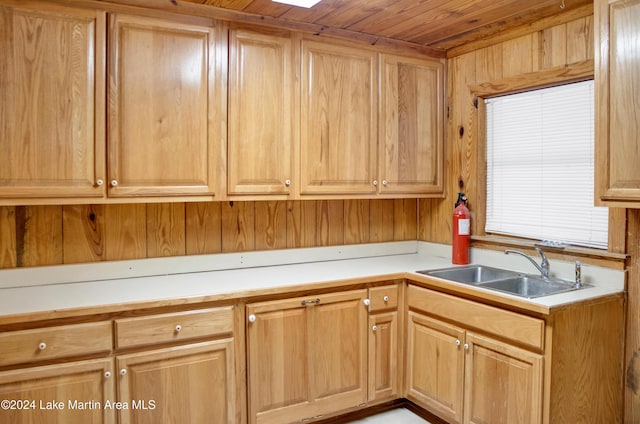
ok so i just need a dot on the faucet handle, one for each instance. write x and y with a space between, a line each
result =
578 274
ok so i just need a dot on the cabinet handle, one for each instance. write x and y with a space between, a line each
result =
123 371
310 302
178 328
366 302
384 183
99 182
375 183
107 374
374 328
42 346
287 182
466 346
386 299
458 342
114 183
252 318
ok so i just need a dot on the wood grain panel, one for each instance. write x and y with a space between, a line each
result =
553 43
381 213
301 222
165 229
238 232
203 228
83 233
580 40
39 235
356 221
270 225
125 232
330 227
405 217
632 334
7 237
519 56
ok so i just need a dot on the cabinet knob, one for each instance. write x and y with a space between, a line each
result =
458 342
99 182
366 302
252 318
107 374
287 182
386 299
178 328
374 328
375 183
123 371
466 346
42 346
385 182
114 183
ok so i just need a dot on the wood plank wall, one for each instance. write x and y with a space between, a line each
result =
556 45
51 235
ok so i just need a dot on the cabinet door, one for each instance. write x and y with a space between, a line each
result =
261 113
503 384
617 105
277 361
411 126
338 351
52 102
191 384
73 393
338 122
435 366
383 355
162 107
306 356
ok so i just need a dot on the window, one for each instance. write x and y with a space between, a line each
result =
540 166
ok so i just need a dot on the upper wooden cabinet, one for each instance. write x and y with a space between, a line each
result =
617 122
52 101
411 126
261 113
164 98
338 147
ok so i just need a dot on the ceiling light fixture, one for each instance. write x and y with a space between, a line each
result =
299 3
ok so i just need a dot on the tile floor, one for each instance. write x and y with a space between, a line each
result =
395 416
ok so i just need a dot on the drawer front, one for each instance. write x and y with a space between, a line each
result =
384 297
173 327
519 328
17 347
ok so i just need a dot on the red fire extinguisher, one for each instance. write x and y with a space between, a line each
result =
461 232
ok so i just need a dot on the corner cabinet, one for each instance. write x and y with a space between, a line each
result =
52 72
306 356
411 126
617 125
338 124
262 113
165 105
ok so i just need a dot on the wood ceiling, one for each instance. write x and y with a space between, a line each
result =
437 24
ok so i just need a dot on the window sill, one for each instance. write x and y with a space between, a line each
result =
587 255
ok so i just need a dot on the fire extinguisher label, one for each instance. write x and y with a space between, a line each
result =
464 227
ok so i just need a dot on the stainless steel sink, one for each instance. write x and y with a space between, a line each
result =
527 286
472 274
503 280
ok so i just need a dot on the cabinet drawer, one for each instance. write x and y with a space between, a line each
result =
173 327
41 344
519 328
384 297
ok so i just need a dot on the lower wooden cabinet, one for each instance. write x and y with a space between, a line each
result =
383 356
76 392
185 384
306 356
465 377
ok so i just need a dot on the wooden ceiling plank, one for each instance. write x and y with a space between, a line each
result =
314 13
226 4
268 8
353 12
396 13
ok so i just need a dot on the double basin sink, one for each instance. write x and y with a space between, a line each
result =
502 280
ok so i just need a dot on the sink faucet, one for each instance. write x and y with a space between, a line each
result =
544 264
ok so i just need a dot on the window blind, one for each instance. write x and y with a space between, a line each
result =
540 170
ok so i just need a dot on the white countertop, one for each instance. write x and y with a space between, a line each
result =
68 287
